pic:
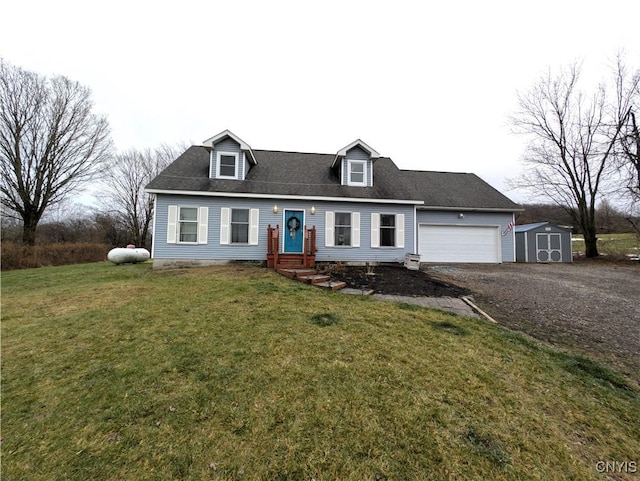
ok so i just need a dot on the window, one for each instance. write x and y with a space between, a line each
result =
387 230
188 224
342 228
227 165
240 226
357 173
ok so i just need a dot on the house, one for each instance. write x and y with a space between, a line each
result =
224 201
543 242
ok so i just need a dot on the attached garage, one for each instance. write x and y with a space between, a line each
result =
459 243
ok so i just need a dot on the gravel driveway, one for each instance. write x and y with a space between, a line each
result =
589 307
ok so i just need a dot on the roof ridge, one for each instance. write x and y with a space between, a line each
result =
437 171
292 152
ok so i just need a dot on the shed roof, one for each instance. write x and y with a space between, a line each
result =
537 225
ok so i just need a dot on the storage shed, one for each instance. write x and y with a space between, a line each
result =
543 242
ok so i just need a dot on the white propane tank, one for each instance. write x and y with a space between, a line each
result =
131 254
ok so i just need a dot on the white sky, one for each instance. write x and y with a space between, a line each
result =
429 84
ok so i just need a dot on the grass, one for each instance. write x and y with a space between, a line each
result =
234 373
611 244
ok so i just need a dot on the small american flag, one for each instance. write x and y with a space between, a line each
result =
509 228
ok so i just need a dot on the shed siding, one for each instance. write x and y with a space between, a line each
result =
501 219
521 247
527 242
214 250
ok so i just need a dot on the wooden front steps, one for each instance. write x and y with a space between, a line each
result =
278 260
298 266
291 261
311 276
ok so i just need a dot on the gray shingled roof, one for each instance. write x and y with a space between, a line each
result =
303 174
456 190
281 173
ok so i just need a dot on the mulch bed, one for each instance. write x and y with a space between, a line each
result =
393 280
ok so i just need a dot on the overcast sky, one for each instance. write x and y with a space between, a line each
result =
429 84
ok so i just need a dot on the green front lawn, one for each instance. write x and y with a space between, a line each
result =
123 373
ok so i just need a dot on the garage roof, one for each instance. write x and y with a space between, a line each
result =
457 190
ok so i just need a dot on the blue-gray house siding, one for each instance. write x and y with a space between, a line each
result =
196 218
214 250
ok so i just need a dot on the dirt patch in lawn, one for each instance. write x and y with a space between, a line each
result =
393 280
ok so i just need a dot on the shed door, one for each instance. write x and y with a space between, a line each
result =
459 243
548 247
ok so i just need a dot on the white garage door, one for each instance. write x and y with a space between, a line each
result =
459 243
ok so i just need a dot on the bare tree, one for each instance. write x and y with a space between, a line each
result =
631 149
628 85
125 181
570 155
50 142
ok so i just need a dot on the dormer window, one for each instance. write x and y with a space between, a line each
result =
354 164
227 163
357 172
231 157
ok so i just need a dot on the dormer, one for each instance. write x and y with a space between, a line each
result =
230 158
355 164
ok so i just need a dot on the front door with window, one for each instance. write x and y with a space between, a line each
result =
293 231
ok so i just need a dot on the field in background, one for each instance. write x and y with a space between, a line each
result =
233 373
17 256
610 245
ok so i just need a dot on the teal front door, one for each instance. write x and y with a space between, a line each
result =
293 231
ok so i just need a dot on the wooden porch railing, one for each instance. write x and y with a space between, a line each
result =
309 248
273 243
308 251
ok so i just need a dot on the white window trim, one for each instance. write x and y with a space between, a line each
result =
395 232
174 222
225 227
350 244
237 166
329 229
376 227
180 222
248 224
351 162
